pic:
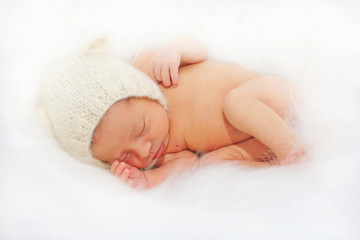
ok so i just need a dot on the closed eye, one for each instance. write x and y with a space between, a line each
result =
143 129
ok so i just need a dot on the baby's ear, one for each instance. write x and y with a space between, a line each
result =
97 44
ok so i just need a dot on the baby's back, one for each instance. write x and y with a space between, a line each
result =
197 104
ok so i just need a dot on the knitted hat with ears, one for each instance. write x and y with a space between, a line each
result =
78 91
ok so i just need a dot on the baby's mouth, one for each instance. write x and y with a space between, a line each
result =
160 151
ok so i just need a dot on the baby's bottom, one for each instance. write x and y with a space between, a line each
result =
249 153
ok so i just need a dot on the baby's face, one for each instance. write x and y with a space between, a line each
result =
134 131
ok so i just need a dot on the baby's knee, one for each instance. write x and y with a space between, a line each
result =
237 105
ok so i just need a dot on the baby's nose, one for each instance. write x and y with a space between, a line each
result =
143 149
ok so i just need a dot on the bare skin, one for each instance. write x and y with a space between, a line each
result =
219 109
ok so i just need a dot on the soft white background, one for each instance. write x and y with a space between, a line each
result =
46 194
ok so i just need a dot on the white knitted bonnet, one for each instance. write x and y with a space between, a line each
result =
81 88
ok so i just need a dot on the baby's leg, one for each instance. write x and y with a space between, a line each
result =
257 107
250 153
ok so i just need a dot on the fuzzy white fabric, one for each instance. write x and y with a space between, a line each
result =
47 194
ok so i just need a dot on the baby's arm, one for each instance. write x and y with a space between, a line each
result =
171 164
257 107
162 64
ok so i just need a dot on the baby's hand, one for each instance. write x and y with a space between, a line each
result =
164 66
130 175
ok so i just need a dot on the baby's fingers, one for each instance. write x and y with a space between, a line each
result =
117 168
174 73
152 69
125 175
156 71
114 166
122 172
165 76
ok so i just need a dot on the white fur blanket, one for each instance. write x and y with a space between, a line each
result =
46 194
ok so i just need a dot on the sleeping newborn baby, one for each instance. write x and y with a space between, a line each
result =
148 121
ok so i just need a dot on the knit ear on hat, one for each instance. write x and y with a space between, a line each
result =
98 44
